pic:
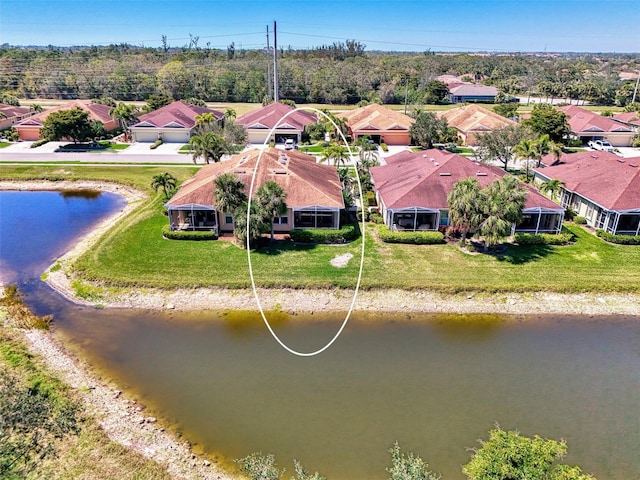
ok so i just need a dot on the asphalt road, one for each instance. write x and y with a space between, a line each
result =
103 157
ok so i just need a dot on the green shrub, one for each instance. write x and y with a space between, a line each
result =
384 147
376 218
580 220
416 238
360 212
188 234
346 234
39 143
544 238
156 144
574 142
370 199
619 239
636 141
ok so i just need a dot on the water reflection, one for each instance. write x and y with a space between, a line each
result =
435 383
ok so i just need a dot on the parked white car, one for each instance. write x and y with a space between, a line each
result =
601 145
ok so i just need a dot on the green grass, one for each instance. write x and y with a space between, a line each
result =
4 144
135 254
114 147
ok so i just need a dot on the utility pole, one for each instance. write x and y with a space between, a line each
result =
406 92
268 68
635 90
275 63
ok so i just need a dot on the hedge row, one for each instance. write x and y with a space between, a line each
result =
543 238
346 234
416 238
188 234
620 239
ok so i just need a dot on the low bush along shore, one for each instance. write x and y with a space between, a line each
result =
589 276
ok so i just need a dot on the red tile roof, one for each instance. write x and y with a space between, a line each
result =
306 182
268 117
472 89
10 111
585 121
176 115
632 118
602 177
424 179
97 111
376 118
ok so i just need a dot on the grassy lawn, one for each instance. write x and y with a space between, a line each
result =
114 147
135 254
4 144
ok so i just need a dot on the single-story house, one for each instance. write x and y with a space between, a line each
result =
10 115
259 123
600 186
314 192
29 129
413 187
380 124
470 120
173 123
588 125
632 119
472 93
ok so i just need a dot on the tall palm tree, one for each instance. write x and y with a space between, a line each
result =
228 192
552 187
230 114
526 150
271 198
555 149
463 202
166 181
367 151
205 122
253 229
336 153
503 201
125 114
210 147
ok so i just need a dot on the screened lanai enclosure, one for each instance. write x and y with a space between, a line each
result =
193 217
541 220
412 219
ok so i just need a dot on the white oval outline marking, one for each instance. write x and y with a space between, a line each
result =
253 283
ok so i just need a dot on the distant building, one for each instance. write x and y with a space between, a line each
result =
472 93
173 123
29 129
380 124
588 125
471 120
259 123
10 115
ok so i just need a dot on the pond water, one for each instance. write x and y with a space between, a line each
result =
434 383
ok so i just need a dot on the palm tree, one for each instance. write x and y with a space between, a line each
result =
230 114
228 192
367 150
254 230
210 147
552 187
502 201
125 114
335 152
205 122
271 198
555 149
526 150
463 203
166 181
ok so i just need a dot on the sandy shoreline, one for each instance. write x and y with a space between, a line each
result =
314 300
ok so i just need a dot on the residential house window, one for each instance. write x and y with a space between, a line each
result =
589 211
228 218
281 220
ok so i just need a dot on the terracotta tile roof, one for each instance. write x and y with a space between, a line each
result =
376 118
424 179
602 177
474 118
585 121
97 111
175 115
268 117
306 182
472 89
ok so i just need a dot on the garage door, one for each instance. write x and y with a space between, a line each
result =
172 136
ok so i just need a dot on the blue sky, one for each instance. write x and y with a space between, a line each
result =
393 25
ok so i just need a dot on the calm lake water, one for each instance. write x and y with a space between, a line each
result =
436 384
